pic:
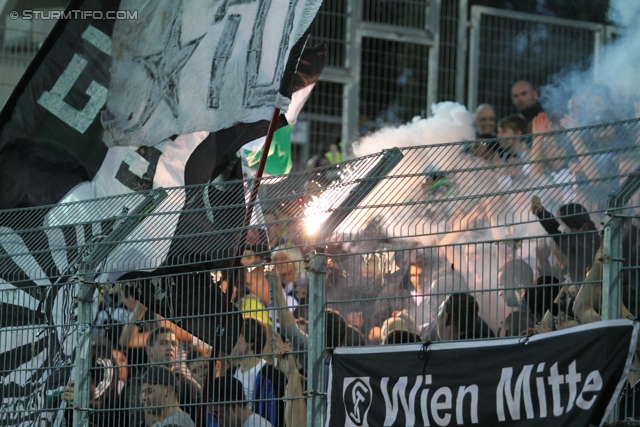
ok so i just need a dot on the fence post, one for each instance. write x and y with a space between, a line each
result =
612 266
86 289
353 63
612 275
315 356
84 295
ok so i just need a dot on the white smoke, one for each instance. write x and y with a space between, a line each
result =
431 224
615 70
450 122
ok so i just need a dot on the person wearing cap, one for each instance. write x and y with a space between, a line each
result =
436 183
229 406
159 396
400 321
574 234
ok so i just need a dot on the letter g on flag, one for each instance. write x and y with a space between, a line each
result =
356 395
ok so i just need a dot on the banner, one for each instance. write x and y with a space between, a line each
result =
566 378
240 58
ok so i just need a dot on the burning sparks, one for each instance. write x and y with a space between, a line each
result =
316 213
319 208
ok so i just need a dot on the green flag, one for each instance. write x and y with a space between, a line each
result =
279 156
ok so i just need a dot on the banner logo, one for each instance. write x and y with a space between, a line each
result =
356 395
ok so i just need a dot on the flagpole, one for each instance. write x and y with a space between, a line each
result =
263 161
247 222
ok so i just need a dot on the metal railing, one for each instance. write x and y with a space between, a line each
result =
507 46
396 232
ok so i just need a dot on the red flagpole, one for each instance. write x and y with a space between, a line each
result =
247 221
263 161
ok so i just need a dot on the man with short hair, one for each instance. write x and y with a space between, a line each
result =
513 147
525 98
160 397
163 349
230 408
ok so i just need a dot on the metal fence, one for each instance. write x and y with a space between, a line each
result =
380 240
507 46
18 48
382 68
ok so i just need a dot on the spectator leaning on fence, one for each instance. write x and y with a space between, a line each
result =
163 349
399 328
541 295
516 323
103 387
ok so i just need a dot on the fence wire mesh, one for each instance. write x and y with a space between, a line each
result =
403 230
507 46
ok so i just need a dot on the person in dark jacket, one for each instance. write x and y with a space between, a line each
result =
574 234
457 317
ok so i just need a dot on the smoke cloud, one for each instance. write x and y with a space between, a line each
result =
450 122
608 91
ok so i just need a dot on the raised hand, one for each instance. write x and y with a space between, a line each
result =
282 352
568 122
536 204
541 123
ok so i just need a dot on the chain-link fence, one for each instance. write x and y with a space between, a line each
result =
98 296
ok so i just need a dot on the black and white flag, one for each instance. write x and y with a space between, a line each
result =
111 108
571 377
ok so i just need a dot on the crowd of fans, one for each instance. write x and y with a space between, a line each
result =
147 371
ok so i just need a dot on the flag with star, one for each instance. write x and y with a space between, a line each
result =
108 108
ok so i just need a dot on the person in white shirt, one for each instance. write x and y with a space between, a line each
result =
264 384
